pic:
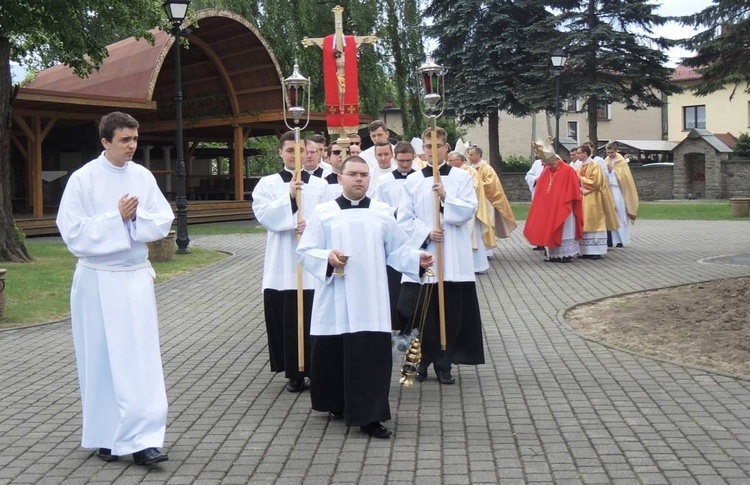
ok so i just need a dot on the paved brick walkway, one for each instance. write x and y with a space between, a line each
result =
548 407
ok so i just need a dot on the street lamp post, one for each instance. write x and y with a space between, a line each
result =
558 62
176 12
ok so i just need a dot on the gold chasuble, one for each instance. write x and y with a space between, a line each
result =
500 212
482 210
627 184
598 205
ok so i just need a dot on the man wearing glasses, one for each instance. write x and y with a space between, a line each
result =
346 245
416 215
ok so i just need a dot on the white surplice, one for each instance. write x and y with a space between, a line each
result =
416 215
357 301
272 207
390 187
112 304
533 175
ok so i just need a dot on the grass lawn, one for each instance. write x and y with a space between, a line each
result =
39 291
218 228
688 210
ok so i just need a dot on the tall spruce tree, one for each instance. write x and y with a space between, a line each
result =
613 56
496 56
721 49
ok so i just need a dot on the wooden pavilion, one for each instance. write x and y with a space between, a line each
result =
232 89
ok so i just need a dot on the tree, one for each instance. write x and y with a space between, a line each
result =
721 50
613 56
40 33
496 56
742 147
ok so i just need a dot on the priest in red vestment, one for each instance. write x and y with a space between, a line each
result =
555 218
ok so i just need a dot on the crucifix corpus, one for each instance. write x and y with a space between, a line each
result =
340 78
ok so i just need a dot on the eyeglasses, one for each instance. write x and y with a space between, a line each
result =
429 146
404 161
335 152
364 175
358 143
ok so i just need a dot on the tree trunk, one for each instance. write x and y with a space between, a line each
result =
493 136
592 109
11 249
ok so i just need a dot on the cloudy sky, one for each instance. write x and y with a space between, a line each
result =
667 8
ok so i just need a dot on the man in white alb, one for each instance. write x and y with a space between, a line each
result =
110 209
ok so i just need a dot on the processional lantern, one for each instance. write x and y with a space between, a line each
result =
296 96
432 83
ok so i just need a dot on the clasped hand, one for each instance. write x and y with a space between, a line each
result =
127 207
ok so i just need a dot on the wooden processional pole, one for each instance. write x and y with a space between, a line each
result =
300 284
438 225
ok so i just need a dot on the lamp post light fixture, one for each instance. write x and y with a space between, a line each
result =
559 58
176 11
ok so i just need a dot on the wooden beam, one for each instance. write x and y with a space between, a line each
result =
98 101
20 146
267 116
37 168
262 89
23 125
47 128
219 65
254 68
239 173
62 115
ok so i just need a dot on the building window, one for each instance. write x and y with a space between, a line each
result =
572 106
573 130
694 117
603 113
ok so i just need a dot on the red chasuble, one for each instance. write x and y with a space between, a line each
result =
337 82
557 193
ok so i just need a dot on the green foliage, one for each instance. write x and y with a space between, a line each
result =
73 32
20 236
613 57
515 163
721 49
451 126
742 147
495 54
266 160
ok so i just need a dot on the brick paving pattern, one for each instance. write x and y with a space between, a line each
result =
548 407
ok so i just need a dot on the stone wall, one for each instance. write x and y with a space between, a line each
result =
653 183
736 178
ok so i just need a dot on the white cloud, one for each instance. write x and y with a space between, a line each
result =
673 30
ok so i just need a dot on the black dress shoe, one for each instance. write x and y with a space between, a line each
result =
553 260
295 384
596 256
335 414
377 430
445 377
538 248
105 454
618 245
149 456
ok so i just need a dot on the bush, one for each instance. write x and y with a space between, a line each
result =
515 163
266 159
742 147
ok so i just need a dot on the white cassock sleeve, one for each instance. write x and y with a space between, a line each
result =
400 256
407 219
312 249
273 212
459 209
85 235
153 217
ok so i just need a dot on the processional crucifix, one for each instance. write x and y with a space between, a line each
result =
340 77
